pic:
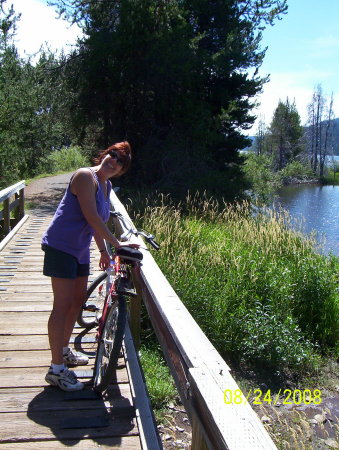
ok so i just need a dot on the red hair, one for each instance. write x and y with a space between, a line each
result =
124 151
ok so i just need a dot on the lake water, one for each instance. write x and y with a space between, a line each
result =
318 207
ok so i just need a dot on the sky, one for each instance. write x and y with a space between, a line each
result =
303 50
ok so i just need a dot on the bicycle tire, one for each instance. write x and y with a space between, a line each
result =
94 296
110 344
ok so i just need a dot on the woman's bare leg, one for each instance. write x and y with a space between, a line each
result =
64 291
80 291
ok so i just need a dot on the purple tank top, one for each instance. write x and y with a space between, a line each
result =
69 231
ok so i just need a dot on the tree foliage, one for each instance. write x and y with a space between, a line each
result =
176 78
285 133
173 78
33 120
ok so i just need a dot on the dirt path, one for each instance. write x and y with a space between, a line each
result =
45 193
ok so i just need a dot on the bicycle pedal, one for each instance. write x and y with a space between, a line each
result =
90 307
125 287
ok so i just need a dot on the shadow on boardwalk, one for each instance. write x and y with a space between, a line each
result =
74 416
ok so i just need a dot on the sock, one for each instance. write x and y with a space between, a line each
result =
65 350
57 368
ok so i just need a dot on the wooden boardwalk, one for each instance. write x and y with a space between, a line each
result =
34 414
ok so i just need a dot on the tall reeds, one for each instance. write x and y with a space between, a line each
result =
256 287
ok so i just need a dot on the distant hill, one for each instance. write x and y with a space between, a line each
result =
336 136
246 149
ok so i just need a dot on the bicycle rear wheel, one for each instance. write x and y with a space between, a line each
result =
110 344
92 309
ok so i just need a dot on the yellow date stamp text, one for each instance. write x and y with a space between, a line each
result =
284 396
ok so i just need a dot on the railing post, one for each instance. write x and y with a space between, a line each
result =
7 217
198 439
135 310
21 203
16 209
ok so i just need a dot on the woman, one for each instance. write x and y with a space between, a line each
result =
81 214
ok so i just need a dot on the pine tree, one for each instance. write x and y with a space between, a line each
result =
173 78
285 133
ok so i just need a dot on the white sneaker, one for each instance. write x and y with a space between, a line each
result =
73 358
65 380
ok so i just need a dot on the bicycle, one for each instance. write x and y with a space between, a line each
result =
107 309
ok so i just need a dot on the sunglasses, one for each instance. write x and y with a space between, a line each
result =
113 154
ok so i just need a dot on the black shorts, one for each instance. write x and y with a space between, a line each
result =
62 265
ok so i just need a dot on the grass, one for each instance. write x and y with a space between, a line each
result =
331 178
258 290
159 381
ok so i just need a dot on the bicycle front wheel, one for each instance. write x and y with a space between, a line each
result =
109 345
92 308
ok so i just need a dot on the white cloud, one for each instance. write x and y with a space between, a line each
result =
39 25
325 47
328 41
298 86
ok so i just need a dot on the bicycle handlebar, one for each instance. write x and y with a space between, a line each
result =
150 239
148 236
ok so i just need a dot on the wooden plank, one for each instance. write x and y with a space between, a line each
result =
125 442
37 275
37 317
39 426
29 282
30 358
25 306
34 275
12 282
35 377
27 325
26 297
32 323
49 399
40 341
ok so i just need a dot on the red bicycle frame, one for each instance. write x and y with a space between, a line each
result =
115 266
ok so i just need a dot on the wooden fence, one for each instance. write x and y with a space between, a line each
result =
12 199
200 374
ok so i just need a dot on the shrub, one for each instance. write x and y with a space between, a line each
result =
259 173
64 160
296 169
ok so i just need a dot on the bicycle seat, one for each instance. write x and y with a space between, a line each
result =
129 253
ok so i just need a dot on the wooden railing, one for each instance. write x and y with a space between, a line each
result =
13 199
200 374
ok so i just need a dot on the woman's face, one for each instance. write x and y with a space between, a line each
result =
113 164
